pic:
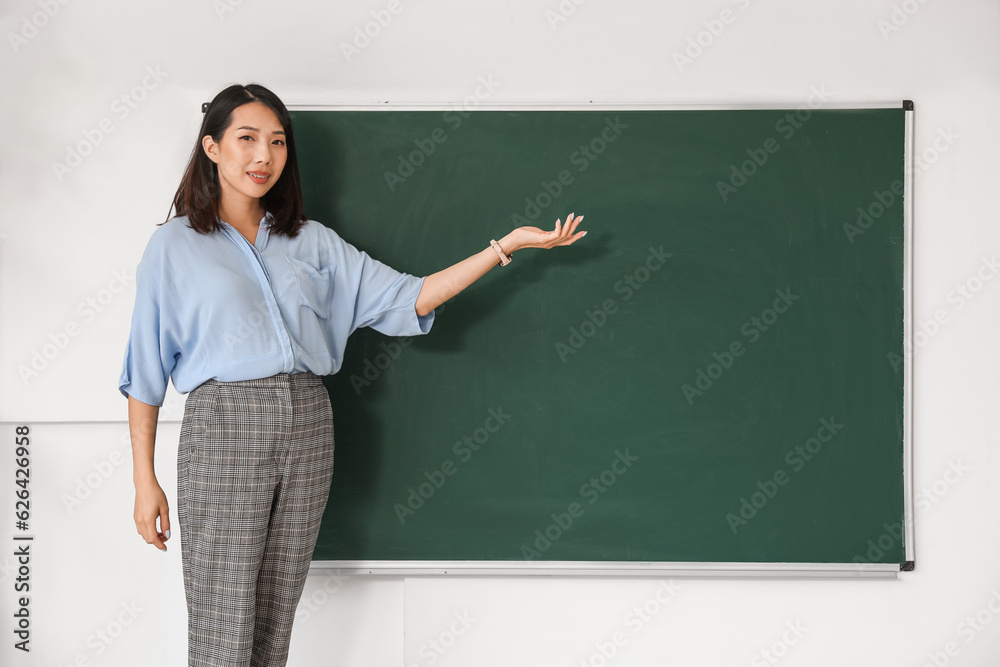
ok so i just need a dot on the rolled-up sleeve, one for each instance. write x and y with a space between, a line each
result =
387 299
149 354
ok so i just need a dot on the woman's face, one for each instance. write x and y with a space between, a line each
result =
250 155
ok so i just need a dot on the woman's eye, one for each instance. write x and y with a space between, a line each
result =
246 136
279 142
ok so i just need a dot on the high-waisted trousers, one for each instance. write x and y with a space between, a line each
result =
254 465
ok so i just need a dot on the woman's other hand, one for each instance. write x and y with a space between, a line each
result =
150 504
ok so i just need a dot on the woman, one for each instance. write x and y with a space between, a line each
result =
246 304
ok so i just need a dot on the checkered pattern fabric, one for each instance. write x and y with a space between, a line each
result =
253 475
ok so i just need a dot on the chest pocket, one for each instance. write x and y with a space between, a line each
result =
313 285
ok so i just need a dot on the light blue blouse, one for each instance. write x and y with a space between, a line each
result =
215 306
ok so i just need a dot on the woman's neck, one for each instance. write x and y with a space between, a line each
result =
242 215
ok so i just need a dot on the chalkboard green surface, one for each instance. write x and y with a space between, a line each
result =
714 374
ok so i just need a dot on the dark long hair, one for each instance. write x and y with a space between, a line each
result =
198 195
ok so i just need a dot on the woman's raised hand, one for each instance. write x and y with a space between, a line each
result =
446 283
533 237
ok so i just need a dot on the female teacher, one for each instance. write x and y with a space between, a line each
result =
246 303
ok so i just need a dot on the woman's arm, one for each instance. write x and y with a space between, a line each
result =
441 286
150 501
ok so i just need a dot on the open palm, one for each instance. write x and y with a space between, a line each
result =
563 234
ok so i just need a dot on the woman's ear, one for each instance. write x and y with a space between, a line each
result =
210 147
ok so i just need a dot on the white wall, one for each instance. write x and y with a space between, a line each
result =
64 236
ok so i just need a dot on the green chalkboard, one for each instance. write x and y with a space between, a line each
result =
713 375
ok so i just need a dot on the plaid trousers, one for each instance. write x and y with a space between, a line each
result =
254 465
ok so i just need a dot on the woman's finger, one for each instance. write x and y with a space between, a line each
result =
571 224
574 238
